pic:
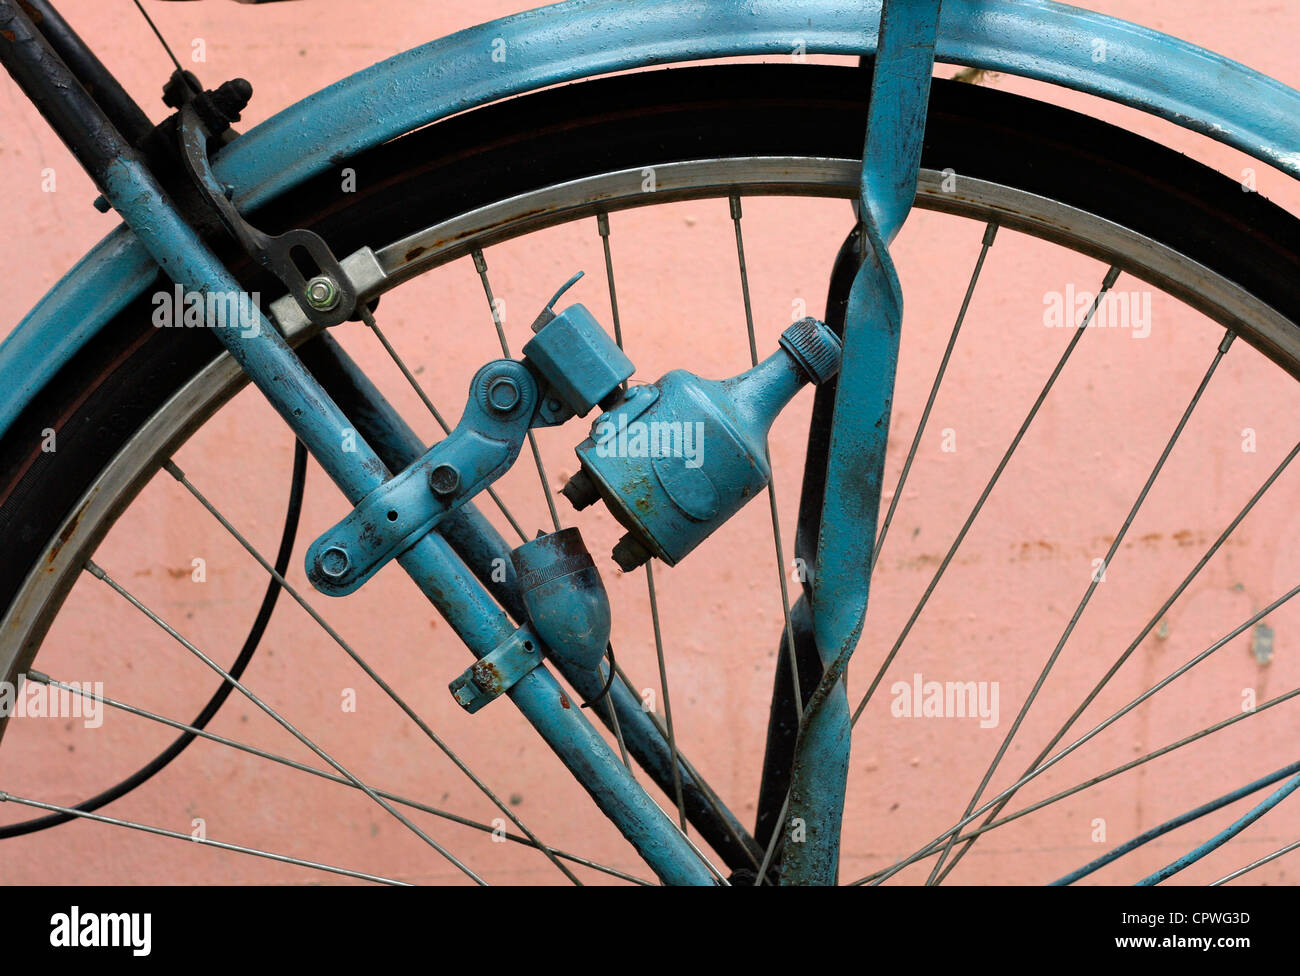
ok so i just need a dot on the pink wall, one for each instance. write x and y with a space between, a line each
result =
995 617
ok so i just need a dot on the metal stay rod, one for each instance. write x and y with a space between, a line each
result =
900 93
264 355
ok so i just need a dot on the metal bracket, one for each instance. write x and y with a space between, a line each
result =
327 298
361 271
493 675
568 367
502 404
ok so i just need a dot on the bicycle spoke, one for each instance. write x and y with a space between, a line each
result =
205 842
369 319
284 723
1150 625
1097 577
332 777
990 231
1255 864
1132 764
602 228
990 825
777 831
1181 820
179 475
480 265
706 792
1154 689
618 735
1079 331
771 484
668 708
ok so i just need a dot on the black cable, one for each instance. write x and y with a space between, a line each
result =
160 762
609 683
158 34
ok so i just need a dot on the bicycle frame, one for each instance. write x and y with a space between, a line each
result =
573 40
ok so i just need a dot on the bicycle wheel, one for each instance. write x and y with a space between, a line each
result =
500 175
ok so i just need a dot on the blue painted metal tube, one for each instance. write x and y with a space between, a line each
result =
1223 836
487 555
1051 42
1178 821
356 469
900 95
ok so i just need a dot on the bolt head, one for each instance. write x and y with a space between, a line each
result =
444 479
503 394
629 553
333 562
322 293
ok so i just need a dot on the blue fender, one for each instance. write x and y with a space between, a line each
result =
1037 39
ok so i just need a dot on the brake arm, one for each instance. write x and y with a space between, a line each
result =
328 297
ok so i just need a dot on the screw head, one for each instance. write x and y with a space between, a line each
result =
444 479
503 394
322 293
333 562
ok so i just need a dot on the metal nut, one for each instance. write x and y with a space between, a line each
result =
503 394
322 293
444 479
333 562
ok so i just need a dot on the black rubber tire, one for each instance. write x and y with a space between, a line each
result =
117 381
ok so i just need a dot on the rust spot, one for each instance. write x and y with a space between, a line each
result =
487 676
7 35
564 700
64 536
414 253
31 12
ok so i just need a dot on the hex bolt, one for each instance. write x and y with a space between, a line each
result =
444 479
503 394
333 562
629 553
581 490
322 293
